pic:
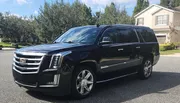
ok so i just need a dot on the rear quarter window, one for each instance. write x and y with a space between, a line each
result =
147 34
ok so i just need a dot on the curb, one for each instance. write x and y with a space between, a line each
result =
8 49
171 55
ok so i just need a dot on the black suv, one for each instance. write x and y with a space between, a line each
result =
84 56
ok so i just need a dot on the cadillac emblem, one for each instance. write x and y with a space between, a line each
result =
22 60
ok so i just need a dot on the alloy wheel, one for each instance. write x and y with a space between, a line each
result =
84 82
147 68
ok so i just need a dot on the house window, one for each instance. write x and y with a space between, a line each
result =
140 21
162 20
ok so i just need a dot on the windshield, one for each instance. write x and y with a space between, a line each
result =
79 35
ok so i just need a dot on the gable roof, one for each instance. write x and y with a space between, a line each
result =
161 7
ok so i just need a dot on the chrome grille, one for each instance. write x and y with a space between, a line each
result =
27 62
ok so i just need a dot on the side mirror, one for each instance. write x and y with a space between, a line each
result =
106 40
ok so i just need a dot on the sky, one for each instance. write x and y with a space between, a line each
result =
31 7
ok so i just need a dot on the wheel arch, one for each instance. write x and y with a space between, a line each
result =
148 56
90 63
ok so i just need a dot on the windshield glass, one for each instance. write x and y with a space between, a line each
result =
79 35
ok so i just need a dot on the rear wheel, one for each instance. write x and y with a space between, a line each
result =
145 70
83 82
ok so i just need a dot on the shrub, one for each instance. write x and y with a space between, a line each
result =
5 40
1 47
168 46
177 44
14 45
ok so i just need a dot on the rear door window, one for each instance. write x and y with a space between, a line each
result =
126 36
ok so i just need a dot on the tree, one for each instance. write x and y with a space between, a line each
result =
176 3
58 17
170 3
114 15
141 5
18 29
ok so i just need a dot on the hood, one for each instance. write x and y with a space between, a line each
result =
47 48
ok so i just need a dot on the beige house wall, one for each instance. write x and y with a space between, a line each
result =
162 12
176 19
147 15
161 31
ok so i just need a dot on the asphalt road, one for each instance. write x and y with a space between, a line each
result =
162 87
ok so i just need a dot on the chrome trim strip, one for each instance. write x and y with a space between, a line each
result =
108 66
31 53
116 78
26 63
49 70
26 68
37 68
47 86
25 84
24 72
28 58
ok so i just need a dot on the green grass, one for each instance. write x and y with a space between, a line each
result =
9 45
5 44
169 52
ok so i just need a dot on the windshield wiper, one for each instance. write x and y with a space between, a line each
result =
68 42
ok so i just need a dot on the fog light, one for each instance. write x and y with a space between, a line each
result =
56 79
54 82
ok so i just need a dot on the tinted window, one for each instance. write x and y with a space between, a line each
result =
79 35
147 34
111 33
139 31
126 36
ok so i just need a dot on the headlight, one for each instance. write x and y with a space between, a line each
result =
55 61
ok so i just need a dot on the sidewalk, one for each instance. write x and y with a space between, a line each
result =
173 55
8 49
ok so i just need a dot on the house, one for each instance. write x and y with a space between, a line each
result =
159 19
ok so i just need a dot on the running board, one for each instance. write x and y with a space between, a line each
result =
116 78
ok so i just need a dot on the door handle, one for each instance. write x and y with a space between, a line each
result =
121 49
138 47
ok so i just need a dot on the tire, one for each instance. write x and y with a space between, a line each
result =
145 70
83 82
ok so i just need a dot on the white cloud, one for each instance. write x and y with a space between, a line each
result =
15 15
36 12
21 2
99 5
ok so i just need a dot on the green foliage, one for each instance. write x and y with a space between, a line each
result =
176 3
17 29
169 46
166 3
114 15
1 47
56 18
141 5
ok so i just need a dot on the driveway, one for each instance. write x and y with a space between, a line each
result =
162 87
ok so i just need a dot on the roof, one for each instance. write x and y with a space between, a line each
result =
161 7
115 25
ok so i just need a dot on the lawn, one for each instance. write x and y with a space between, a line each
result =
9 45
5 44
169 52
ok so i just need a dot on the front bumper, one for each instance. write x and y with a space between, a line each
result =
44 82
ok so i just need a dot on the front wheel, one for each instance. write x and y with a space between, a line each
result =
145 70
83 82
